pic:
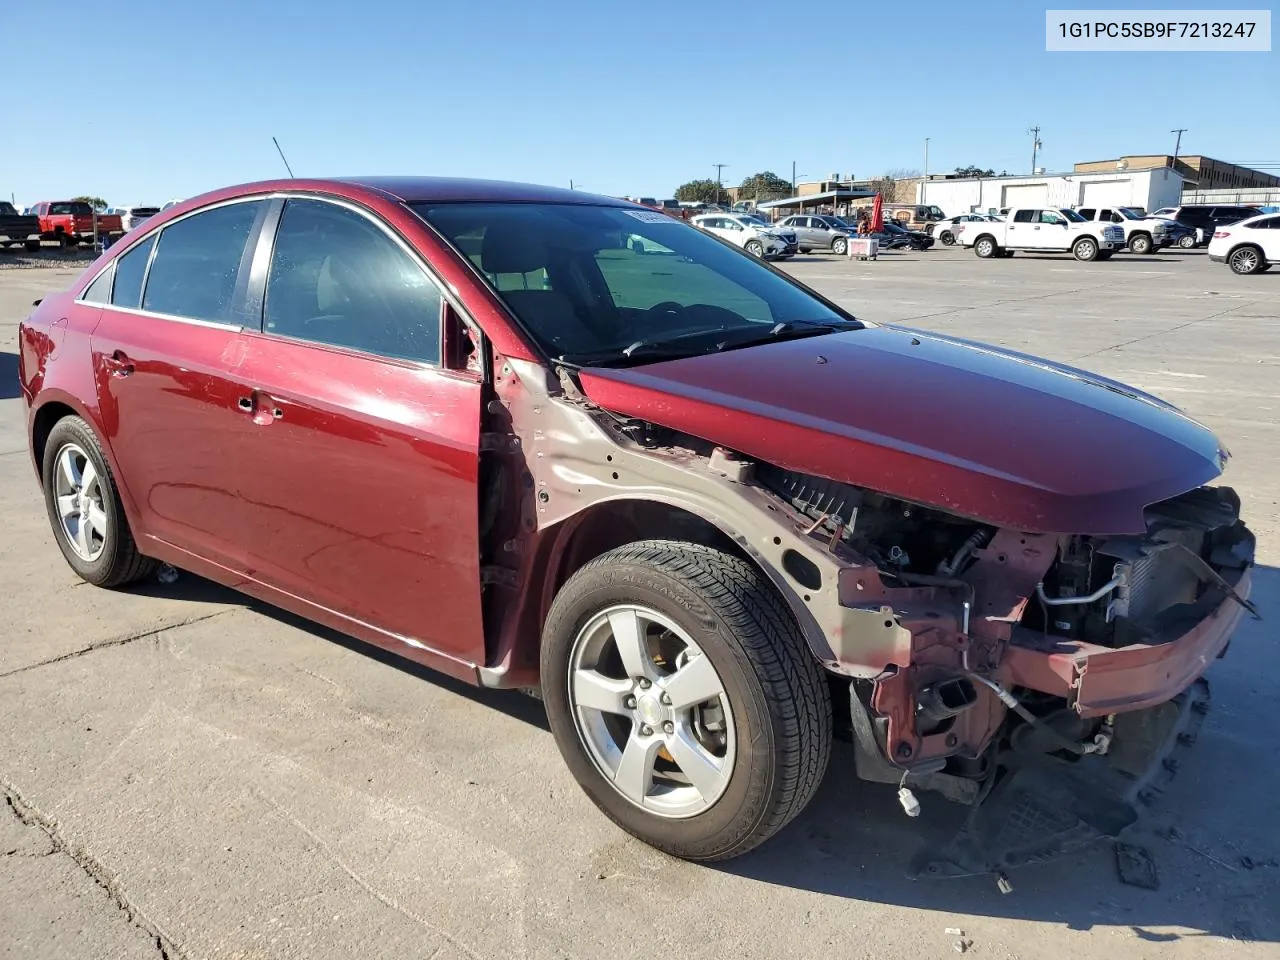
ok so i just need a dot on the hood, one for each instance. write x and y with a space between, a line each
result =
957 425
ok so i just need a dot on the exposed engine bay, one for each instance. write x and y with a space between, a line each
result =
972 709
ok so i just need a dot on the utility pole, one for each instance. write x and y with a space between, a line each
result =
1177 144
719 167
1035 146
924 184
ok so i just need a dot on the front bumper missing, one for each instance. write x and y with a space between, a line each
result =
1042 806
1097 681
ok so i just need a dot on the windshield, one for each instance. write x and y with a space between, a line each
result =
590 282
1129 214
1073 216
756 220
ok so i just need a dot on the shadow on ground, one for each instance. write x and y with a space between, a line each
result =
853 841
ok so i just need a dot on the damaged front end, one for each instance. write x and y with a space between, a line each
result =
1046 680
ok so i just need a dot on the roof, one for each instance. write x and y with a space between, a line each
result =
428 189
816 198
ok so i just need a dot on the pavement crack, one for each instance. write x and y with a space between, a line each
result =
117 642
31 816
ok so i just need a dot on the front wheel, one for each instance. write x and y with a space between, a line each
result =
985 247
840 246
684 699
1188 242
1085 249
755 248
1246 260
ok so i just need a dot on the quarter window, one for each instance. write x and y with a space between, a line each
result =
130 270
100 290
337 279
197 263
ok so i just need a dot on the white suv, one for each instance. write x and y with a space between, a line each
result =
752 235
1250 246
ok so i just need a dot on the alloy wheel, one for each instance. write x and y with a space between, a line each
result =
651 711
1245 260
81 507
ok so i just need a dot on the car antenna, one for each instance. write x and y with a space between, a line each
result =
282 157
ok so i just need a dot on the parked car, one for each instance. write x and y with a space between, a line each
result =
131 217
682 496
1179 234
72 222
1205 218
818 233
754 236
944 230
1250 246
1042 230
915 239
1142 235
17 228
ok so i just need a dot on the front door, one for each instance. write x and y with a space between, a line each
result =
165 353
361 472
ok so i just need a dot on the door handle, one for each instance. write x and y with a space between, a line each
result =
265 409
119 364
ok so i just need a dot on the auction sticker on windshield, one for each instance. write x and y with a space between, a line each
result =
649 216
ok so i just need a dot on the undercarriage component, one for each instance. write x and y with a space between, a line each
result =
1043 806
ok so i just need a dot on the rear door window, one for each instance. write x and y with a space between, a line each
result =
130 271
1025 216
197 263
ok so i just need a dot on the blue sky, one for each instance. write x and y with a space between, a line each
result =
630 98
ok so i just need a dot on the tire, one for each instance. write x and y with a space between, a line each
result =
754 247
773 700
1106 254
1006 254
108 555
840 246
31 246
1085 249
1188 242
1141 244
985 247
1246 260
947 238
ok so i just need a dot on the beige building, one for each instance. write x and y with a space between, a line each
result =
1199 173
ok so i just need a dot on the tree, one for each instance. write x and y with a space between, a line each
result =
699 191
902 173
883 185
972 171
96 202
764 186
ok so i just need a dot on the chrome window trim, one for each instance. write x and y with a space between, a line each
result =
447 294
142 238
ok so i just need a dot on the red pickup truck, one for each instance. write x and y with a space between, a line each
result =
71 222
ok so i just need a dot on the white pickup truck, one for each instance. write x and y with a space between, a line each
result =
1141 234
1042 229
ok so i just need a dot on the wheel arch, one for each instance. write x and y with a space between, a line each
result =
55 405
566 546
1247 244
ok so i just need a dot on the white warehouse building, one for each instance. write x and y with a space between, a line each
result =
1149 189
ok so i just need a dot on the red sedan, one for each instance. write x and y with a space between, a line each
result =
538 439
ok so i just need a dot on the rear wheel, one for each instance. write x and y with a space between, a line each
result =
1246 260
684 699
985 247
840 246
947 238
1188 242
1085 249
754 247
85 511
32 246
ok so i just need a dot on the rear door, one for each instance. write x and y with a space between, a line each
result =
165 355
361 471
1267 234
1023 228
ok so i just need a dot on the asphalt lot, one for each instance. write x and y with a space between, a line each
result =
188 772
